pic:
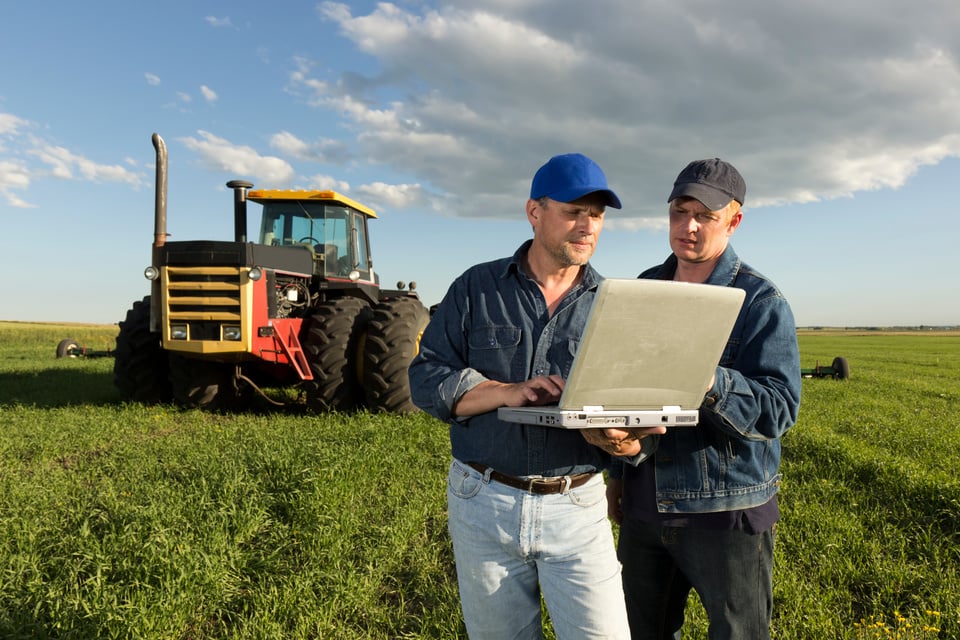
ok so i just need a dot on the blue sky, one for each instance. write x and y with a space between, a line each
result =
844 122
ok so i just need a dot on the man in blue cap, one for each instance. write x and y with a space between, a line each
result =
526 507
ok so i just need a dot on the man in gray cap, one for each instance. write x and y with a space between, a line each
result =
699 511
525 503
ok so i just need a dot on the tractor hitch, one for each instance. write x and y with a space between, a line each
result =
839 369
70 348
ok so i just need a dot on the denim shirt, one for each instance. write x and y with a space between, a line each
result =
493 324
731 460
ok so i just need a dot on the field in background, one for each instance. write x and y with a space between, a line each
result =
127 521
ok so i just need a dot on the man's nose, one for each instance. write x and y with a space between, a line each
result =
587 223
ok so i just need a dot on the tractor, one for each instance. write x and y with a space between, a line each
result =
299 308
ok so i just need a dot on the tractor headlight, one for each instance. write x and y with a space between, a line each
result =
232 332
255 274
178 332
151 273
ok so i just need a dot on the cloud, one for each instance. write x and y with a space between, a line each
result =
323 150
14 176
208 94
393 196
65 164
152 79
10 124
26 158
324 183
213 21
239 161
811 102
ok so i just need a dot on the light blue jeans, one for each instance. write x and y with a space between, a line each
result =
510 546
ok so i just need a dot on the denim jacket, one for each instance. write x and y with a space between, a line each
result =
493 324
731 459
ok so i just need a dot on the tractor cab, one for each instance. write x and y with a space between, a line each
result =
329 225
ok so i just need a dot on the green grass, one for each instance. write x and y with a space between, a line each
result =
128 521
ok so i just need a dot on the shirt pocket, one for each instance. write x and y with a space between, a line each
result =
493 349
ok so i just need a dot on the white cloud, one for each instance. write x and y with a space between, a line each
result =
26 158
811 101
152 79
324 150
11 124
239 160
14 176
214 21
63 164
208 94
393 196
323 183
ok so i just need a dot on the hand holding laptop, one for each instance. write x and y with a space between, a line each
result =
621 442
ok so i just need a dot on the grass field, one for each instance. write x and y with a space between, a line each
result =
129 521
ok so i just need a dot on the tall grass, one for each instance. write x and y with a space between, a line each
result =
128 521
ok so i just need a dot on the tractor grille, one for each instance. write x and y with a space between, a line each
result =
204 298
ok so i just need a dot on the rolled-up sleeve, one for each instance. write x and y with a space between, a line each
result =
439 374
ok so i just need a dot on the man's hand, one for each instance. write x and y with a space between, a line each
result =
491 395
620 442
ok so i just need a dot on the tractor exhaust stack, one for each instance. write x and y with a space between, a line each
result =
159 227
239 208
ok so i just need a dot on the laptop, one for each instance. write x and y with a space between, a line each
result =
645 359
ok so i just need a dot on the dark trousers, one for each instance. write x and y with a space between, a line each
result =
731 571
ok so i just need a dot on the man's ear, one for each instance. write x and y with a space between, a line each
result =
735 218
532 214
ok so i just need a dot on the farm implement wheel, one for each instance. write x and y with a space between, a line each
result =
841 368
392 340
331 346
199 384
140 368
68 348
838 369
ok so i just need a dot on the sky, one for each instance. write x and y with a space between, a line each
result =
843 117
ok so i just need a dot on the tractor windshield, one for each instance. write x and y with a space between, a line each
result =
334 233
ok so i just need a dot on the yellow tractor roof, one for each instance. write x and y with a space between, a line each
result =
266 195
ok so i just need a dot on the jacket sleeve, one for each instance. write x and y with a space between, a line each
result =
757 397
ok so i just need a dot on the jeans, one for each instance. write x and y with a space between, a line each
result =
511 546
731 571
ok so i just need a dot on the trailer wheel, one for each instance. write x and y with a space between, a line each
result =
67 348
199 384
331 344
392 341
140 368
841 368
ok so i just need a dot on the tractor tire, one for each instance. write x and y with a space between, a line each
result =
67 348
331 345
140 367
392 341
841 368
201 384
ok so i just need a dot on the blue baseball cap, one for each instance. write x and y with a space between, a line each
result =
569 177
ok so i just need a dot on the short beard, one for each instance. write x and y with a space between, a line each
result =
567 257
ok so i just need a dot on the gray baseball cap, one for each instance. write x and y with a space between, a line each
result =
712 181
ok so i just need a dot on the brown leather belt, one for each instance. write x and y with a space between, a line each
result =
540 486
